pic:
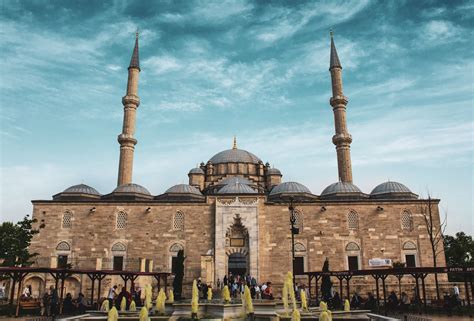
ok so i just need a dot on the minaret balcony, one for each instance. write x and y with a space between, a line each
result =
131 100
338 100
125 139
342 139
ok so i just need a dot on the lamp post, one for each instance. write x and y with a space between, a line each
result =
294 230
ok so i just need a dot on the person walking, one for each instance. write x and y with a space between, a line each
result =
111 295
54 301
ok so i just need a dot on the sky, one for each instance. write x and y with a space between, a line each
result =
255 69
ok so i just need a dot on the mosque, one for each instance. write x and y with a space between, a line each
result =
233 216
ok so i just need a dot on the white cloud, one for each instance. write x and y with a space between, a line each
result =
440 31
280 23
161 64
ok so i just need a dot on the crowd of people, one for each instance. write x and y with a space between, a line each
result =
236 285
115 296
50 300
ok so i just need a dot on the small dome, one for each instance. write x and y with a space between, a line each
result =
196 170
131 189
235 179
183 189
392 189
341 187
342 190
290 187
81 189
237 188
273 171
234 155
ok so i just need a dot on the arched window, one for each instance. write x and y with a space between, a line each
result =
353 256
300 258
63 246
406 221
409 253
352 246
119 247
300 247
409 245
353 220
121 220
298 220
174 249
118 256
67 220
178 221
63 250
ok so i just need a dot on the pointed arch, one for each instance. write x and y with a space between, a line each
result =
299 247
176 247
352 246
63 246
409 245
119 247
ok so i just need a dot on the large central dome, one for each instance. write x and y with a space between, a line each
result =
234 155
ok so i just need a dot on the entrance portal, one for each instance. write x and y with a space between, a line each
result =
237 264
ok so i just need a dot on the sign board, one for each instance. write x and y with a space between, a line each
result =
380 262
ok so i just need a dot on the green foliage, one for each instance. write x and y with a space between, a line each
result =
459 250
16 239
179 275
398 265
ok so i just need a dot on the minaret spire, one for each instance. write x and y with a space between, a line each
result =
130 102
135 61
342 139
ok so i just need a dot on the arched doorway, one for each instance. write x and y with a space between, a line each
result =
237 264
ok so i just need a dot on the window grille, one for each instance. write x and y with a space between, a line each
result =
119 247
351 246
178 221
353 220
298 219
407 221
300 247
63 246
409 245
67 220
121 220
176 247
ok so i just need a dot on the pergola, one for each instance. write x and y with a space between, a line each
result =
18 274
419 274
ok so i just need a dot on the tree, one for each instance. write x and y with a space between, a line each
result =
179 275
459 251
16 239
435 230
326 283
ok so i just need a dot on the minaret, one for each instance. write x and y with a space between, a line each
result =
130 103
338 101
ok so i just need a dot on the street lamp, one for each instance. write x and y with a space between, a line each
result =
294 230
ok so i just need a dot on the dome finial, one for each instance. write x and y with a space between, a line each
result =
235 143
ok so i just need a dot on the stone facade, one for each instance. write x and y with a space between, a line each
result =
232 217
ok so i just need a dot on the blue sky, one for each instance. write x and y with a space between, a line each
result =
255 69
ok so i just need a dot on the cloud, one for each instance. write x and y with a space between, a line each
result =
283 22
439 32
